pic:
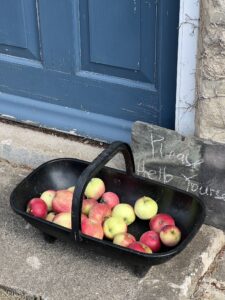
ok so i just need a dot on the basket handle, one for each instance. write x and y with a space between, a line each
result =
92 169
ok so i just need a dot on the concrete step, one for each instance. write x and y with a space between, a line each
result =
31 148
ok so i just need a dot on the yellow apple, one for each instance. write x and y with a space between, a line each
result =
113 226
124 211
145 208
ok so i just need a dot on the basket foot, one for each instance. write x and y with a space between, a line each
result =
49 238
140 271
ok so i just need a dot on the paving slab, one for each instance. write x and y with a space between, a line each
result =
32 267
9 294
212 285
52 271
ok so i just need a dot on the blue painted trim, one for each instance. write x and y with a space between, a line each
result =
20 60
118 81
65 119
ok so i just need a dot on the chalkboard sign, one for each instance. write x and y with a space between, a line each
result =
192 164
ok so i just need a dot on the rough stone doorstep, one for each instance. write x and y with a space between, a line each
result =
212 285
30 266
31 148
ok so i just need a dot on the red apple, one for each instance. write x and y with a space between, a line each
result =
87 205
83 217
124 239
63 219
99 212
62 201
95 188
159 221
110 198
170 235
138 246
37 207
152 240
92 228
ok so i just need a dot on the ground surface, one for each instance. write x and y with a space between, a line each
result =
33 269
30 266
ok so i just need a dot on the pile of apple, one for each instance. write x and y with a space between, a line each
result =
103 216
53 206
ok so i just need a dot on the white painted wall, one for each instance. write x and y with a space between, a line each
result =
186 66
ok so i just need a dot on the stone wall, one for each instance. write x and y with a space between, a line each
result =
210 104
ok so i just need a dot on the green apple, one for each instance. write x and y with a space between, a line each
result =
50 216
145 208
113 226
71 189
95 188
63 219
48 196
124 211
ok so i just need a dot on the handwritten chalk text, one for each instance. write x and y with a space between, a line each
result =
158 150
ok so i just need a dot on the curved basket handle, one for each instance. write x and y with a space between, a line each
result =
93 168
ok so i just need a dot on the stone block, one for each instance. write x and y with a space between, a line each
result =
178 278
212 285
210 119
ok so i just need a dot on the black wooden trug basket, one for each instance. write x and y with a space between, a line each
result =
188 210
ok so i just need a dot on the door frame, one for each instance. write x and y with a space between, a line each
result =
186 66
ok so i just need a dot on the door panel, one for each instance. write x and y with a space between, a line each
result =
114 39
14 35
110 41
100 57
19 29
57 34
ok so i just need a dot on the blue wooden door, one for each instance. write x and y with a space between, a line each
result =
92 67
